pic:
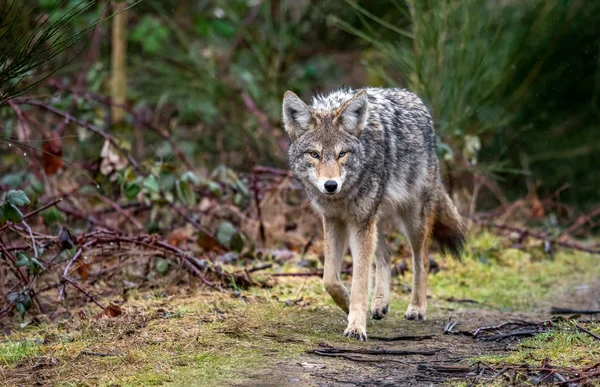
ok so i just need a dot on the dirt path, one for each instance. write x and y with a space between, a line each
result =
447 365
392 370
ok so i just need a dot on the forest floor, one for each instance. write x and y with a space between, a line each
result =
290 333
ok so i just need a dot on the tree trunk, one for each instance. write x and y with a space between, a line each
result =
118 81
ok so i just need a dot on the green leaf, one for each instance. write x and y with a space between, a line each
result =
12 213
2 217
215 188
229 236
13 179
132 190
190 177
21 309
151 34
37 185
12 297
223 28
151 184
22 303
236 243
22 260
225 233
52 215
167 181
162 266
185 193
17 198
35 266
25 300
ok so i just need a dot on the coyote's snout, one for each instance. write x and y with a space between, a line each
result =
364 156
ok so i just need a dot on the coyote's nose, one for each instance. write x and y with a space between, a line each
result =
330 186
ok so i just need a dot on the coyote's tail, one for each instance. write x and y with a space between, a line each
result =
448 229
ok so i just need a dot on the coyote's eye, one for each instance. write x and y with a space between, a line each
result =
342 154
314 155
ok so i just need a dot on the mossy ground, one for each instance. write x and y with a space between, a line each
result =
209 338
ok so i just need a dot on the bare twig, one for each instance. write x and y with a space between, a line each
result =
33 244
15 269
88 218
61 292
199 227
261 225
570 382
259 268
538 235
582 221
121 211
83 291
84 124
256 112
30 214
137 116
584 330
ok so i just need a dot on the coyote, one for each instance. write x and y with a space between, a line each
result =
365 156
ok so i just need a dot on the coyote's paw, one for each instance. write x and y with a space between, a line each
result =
415 313
379 309
357 333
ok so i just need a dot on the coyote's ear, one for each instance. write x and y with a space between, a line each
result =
297 116
352 116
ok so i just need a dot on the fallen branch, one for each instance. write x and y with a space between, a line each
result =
347 357
557 310
520 333
98 354
592 334
451 369
309 274
570 382
538 235
364 351
402 338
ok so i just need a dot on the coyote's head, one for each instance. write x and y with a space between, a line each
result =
325 151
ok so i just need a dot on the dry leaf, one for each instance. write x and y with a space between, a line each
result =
52 154
84 270
112 160
113 310
65 239
178 236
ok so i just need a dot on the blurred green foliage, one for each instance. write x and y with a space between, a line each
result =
513 85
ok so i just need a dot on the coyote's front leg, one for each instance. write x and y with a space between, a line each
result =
363 240
336 242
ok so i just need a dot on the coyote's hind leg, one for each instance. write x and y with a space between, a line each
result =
381 293
418 231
